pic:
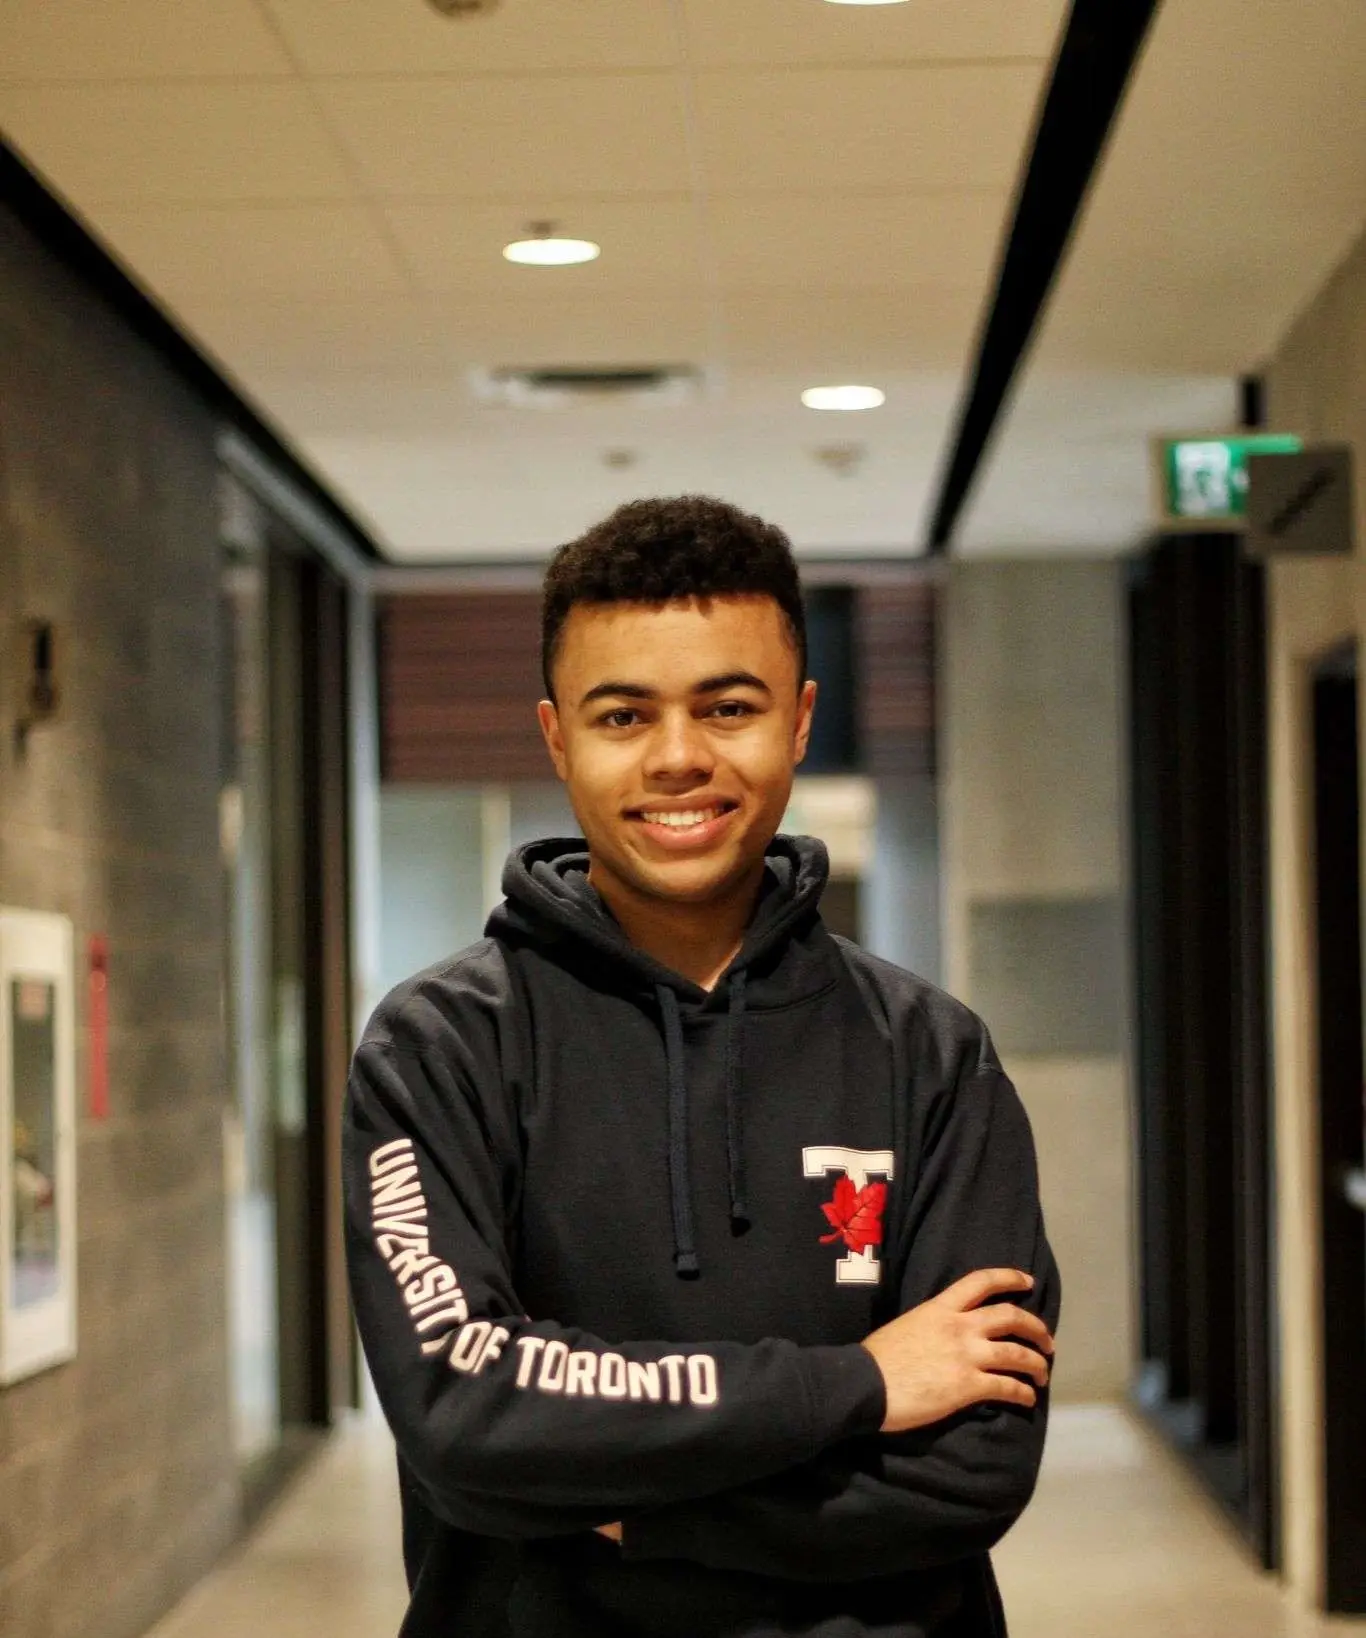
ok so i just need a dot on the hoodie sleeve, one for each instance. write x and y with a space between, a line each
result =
523 1427
883 1505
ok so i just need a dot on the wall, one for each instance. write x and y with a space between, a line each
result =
117 1484
1316 385
441 851
1034 885
432 876
901 909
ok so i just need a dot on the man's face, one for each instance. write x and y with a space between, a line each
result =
677 730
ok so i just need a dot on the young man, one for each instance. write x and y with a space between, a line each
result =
697 1254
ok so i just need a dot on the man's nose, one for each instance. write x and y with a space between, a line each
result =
678 749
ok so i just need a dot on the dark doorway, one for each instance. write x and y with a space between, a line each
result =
309 802
1197 630
1337 836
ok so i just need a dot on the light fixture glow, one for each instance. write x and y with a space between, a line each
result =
551 252
843 398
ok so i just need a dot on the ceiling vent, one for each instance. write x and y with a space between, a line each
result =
554 386
464 8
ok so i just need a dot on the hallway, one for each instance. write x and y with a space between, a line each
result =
1118 1542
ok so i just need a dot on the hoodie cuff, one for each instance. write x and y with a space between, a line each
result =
847 1394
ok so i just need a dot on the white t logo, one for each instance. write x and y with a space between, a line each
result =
859 1267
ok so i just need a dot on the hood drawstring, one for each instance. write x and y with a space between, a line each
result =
686 1265
680 1178
735 1131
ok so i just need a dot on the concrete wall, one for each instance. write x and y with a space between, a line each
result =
901 908
441 851
1034 894
117 1481
1316 385
432 874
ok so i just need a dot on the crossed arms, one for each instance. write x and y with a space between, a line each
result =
917 1448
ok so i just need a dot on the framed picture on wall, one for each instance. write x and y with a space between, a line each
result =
37 1143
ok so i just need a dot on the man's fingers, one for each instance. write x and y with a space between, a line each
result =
976 1288
1004 1319
1006 1390
1014 1356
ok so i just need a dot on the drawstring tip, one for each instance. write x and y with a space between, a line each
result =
739 1218
686 1265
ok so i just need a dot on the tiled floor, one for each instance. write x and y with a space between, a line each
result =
1118 1544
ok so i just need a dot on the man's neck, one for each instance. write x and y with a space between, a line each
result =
697 940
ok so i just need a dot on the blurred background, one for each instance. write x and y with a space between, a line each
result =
1041 330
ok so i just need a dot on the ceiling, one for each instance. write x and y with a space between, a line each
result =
786 192
1234 184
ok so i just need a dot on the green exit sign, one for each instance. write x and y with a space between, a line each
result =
1204 480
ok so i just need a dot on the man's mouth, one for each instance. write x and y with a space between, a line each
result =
695 824
682 818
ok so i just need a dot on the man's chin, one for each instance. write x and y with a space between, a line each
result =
703 880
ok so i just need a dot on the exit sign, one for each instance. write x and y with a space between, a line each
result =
1205 480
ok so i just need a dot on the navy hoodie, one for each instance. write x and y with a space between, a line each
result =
614 1241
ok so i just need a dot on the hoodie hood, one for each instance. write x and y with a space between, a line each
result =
550 901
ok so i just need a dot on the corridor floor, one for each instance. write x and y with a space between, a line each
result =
1118 1544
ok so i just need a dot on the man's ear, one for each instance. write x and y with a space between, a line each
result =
806 707
549 718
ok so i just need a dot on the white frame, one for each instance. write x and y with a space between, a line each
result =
40 946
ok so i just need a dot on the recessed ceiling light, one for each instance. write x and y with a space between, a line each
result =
545 248
843 398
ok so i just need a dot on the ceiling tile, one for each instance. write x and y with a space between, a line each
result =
319 341
756 32
667 328
538 137
337 340
458 247
501 491
863 129
855 241
166 143
255 252
137 39
407 36
836 334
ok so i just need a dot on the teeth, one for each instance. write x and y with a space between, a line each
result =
681 821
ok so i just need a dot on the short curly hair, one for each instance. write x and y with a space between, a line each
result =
662 550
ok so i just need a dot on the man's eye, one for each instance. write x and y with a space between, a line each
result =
732 708
623 718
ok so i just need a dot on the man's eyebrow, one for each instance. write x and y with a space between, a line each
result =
731 679
618 690
708 685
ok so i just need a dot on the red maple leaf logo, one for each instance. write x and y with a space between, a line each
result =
855 1214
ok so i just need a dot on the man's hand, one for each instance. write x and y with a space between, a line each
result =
952 1351
611 1531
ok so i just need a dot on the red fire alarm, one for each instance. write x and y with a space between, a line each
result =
98 1025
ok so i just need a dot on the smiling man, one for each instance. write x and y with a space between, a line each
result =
697 1254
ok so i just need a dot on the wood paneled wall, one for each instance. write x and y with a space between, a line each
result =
460 677
896 660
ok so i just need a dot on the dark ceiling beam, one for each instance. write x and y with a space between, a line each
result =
1095 61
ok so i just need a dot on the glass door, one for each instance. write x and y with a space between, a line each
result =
245 806
285 847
